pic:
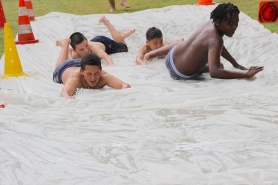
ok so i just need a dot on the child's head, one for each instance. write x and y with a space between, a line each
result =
154 38
224 12
225 18
91 69
79 44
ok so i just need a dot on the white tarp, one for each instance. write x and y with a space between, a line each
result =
160 131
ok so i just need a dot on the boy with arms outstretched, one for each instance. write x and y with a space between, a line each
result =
154 41
202 50
100 45
82 73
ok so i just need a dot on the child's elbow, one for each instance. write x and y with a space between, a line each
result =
213 74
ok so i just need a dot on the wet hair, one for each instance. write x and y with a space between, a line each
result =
91 60
76 38
222 11
153 33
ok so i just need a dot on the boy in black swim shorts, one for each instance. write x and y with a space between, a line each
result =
100 45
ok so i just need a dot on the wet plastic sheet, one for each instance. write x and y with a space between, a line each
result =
160 131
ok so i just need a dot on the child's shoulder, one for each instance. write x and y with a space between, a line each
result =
144 48
74 55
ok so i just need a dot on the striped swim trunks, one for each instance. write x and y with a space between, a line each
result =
174 73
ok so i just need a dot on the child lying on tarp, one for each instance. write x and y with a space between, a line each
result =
100 45
82 73
154 40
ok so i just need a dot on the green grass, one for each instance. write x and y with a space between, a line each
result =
83 7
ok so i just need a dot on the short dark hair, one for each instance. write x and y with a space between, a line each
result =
222 11
76 38
91 60
153 33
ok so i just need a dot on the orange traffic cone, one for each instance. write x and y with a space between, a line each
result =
205 2
25 34
268 11
29 8
12 63
2 16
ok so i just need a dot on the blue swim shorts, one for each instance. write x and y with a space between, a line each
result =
111 46
57 75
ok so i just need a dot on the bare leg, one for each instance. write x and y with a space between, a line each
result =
160 51
64 43
127 34
116 35
59 43
124 3
112 5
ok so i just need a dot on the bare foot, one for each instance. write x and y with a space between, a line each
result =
62 42
102 19
112 10
128 33
124 3
59 42
132 30
181 39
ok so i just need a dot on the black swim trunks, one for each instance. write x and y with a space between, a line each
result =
111 46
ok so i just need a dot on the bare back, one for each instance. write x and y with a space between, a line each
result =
191 55
95 47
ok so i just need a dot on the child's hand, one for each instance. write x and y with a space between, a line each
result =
254 70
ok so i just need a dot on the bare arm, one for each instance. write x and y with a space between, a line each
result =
228 57
140 55
164 50
69 87
176 41
214 64
100 53
114 82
